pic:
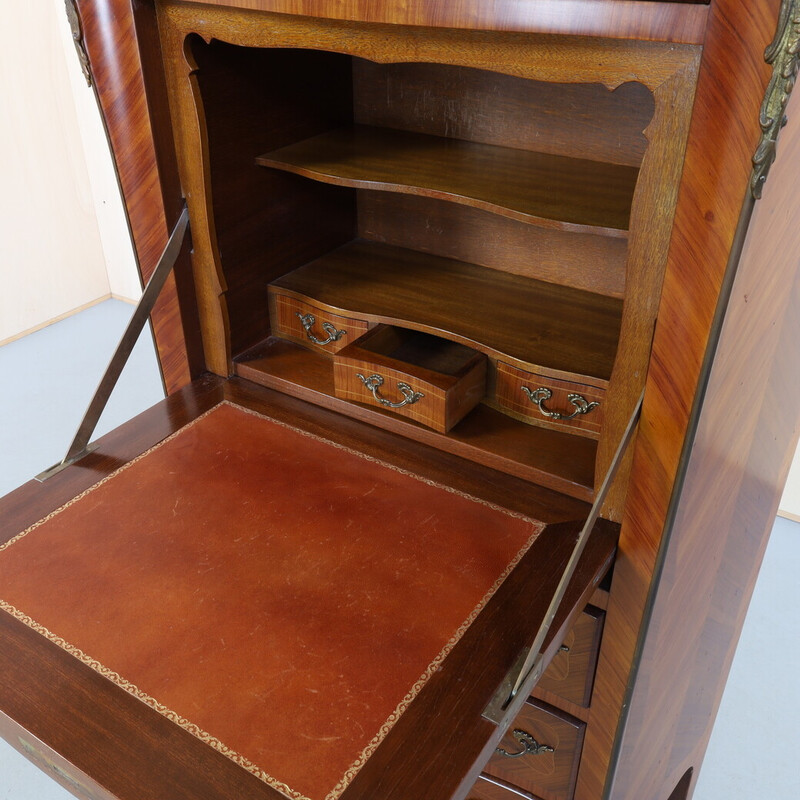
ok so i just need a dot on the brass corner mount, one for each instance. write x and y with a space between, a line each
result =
784 57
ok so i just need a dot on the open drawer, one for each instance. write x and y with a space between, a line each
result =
207 610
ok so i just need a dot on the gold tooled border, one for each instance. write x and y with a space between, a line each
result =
196 730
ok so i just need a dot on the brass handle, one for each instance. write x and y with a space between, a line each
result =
308 321
528 744
374 383
538 397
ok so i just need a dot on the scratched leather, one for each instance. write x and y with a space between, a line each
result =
281 593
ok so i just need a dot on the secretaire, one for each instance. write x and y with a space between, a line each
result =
480 348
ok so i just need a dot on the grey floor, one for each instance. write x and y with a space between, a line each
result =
49 377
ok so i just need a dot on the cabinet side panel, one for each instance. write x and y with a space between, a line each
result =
151 194
722 139
744 442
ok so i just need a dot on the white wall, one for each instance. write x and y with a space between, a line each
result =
53 253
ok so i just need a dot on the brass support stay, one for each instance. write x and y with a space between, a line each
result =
529 665
80 444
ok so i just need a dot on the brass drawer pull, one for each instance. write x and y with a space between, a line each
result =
538 397
528 744
308 321
374 382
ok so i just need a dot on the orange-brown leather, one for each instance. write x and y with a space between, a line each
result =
281 593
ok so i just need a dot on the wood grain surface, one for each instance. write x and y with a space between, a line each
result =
145 164
634 19
570 675
487 788
722 139
744 439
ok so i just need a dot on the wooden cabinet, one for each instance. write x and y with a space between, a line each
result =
542 210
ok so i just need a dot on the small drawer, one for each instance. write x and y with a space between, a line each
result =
430 380
571 673
551 402
488 789
306 324
542 751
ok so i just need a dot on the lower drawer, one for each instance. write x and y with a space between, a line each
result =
487 789
540 752
571 673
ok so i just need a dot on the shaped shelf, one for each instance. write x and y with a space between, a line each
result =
568 332
550 191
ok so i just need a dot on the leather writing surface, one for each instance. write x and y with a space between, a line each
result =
281 597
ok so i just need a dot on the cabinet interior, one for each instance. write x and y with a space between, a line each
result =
480 207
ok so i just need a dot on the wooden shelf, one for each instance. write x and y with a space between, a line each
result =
568 332
550 191
548 458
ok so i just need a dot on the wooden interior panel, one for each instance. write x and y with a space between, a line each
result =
576 120
590 262
268 222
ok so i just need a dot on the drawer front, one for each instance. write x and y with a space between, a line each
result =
487 789
571 673
551 402
551 745
392 390
306 324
